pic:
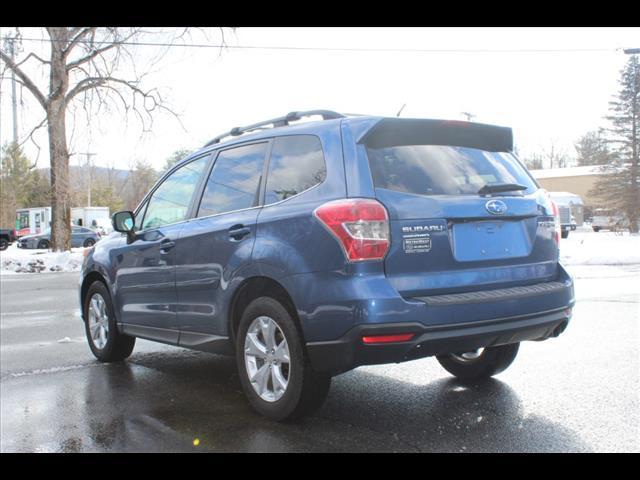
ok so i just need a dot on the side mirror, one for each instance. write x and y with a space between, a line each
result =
124 222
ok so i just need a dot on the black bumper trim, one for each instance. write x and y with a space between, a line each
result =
500 294
349 352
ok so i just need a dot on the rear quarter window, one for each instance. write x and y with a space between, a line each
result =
296 164
443 170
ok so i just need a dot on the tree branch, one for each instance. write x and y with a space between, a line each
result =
85 84
35 56
98 51
77 38
30 137
25 79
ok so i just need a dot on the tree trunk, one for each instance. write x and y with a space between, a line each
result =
58 153
60 205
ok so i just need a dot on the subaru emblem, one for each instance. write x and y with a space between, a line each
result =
496 207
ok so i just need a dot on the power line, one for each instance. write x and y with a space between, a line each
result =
334 49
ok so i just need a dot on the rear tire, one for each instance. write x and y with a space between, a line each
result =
564 233
44 244
596 229
489 362
305 389
89 242
105 342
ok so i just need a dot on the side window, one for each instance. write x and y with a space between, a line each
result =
170 202
234 180
296 164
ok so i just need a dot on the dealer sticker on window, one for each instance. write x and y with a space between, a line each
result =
420 243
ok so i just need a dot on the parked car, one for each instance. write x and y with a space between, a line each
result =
80 237
7 237
308 249
608 220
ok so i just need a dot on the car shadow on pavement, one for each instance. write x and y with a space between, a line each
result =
175 401
447 415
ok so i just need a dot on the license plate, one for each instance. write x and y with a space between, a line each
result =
490 240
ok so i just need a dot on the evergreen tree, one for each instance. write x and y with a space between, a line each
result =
620 188
20 184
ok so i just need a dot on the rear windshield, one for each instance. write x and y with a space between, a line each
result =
444 170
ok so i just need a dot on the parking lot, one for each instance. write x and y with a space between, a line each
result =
577 393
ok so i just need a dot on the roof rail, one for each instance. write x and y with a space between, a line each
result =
276 122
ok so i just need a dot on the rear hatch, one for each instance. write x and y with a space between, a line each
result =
464 213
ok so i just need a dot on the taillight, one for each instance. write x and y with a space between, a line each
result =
361 225
556 221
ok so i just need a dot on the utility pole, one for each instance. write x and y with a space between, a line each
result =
88 156
10 46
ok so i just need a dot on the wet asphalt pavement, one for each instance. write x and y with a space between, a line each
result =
577 393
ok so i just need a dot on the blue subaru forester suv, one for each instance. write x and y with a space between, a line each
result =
307 249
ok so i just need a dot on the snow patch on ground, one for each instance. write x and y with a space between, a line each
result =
17 260
586 247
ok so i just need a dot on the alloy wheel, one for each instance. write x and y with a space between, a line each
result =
98 321
267 359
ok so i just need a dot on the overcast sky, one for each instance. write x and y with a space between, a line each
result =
545 96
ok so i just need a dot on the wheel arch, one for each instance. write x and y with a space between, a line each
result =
89 279
255 287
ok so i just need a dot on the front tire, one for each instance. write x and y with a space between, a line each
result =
273 366
481 364
4 244
564 233
105 342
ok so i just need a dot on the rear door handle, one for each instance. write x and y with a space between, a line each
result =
238 232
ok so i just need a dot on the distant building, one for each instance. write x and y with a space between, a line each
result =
577 180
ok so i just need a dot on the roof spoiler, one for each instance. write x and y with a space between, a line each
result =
390 132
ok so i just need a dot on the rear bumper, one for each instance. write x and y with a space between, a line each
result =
350 351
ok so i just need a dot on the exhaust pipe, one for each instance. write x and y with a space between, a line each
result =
560 328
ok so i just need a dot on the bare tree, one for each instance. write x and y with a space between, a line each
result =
86 64
593 149
555 156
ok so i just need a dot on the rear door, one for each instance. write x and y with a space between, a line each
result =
448 237
220 241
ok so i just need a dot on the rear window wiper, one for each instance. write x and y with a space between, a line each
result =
500 187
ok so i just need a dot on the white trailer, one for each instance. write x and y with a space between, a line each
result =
38 219
32 220
89 216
